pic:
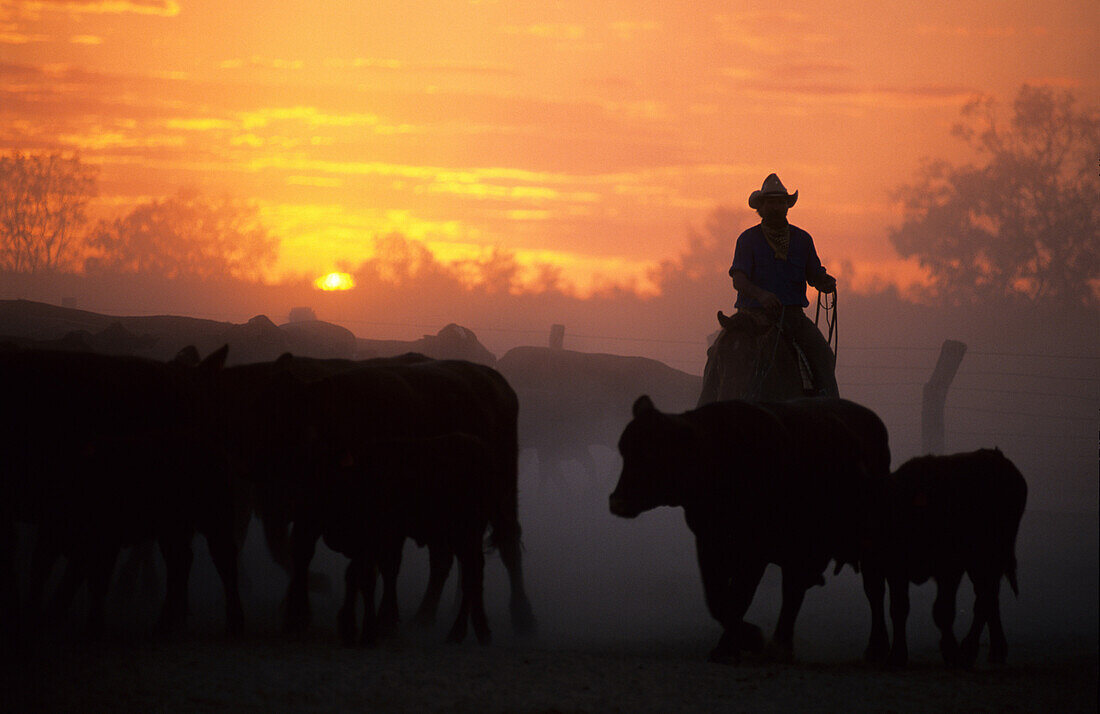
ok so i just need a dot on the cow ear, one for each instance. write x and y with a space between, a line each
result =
187 357
643 405
284 360
215 360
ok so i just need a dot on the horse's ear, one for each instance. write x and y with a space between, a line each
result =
643 405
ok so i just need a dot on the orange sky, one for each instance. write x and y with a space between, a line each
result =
587 135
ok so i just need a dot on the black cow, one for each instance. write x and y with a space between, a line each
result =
304 426
101 452
941 517
437 491
759 483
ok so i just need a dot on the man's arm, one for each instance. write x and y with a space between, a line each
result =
823 282
742 284
816 276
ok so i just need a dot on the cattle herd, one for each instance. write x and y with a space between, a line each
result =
105 452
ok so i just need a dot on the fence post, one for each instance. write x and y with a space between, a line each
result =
557 336
935 396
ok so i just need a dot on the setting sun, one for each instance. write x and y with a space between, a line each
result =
334 281
583 139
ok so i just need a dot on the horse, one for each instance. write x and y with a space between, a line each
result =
754 361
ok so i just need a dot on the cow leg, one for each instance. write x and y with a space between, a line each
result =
367 575
132 582
101 565
223 550
794 591
389 565
998 645
471 560
303 544
899 613
457 632
943 614
346 619
744 636
728 601
874 587
715 578
523 618
178 557
476 588
76 570
986 586
441 558
276 529
9 583
43 558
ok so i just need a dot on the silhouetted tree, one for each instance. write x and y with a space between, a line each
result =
185 235
497 273
1022 224
42 202
708 254
400 261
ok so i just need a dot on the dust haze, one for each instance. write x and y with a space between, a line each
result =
1029 384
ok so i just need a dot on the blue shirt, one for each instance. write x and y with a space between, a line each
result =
786 278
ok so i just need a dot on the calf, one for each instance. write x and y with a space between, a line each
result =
940 517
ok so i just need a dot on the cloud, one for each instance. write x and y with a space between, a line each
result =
259 61
102 140
394 65
201 124
773 32
14 37
986 32
813 68
319 181
160 8
812 82
308 115
86 40
1059 82
632 30
547 31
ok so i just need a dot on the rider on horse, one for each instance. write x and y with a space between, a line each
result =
772 263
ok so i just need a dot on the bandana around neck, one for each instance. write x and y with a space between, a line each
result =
779 239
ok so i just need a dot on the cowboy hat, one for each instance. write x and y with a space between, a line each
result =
772 186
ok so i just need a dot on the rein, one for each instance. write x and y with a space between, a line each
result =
831 313
760 372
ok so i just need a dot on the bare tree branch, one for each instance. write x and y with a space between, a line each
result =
42 207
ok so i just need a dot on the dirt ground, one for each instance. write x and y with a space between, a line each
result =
622 627
268 674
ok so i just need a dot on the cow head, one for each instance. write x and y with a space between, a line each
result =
654 447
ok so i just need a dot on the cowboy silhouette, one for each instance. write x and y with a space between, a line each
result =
772 263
